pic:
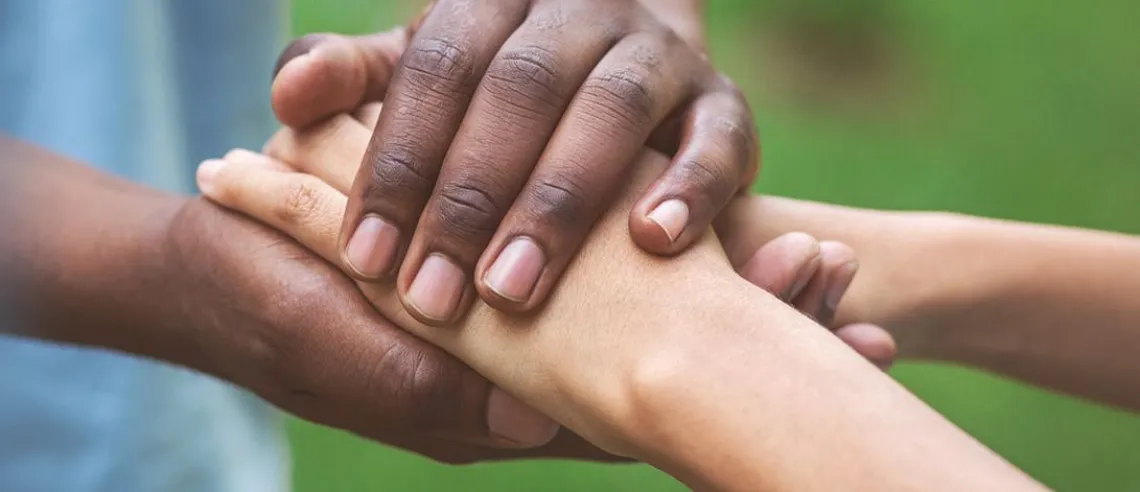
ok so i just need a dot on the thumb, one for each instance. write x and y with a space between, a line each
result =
320 75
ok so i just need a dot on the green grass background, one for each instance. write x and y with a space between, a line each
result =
1019 109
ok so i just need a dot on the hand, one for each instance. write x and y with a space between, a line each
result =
274 318
795 267
825 272
107 263
308 208
889 244
512 127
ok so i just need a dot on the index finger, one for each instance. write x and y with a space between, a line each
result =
425 103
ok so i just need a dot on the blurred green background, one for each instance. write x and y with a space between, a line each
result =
1018 109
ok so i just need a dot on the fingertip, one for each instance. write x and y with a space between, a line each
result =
512 278
665 229
836 253
290 88
517 424
372 248
792 253
871 341
324 81
206 176
796 243
841 266
671 217
648 236
785 265
243 156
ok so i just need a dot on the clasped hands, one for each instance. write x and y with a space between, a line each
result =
487 191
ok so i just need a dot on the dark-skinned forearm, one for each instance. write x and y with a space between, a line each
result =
83 252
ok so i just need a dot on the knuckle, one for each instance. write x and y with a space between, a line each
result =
300 203
439 65
526 77
710 179
740 135
648 55
623 94
559 198
740 138
738 129
399 171
282 347
466 210
419 385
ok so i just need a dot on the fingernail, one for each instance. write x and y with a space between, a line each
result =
207 171
671 216
372 247
843 279
517 422
516 270
803 277
436 290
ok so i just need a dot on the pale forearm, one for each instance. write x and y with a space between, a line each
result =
1053 306
767 400
682 363
666 358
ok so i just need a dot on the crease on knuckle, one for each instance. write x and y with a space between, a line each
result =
740 140
526 78
739 131
711 182
300 203
396 168
559 198
465 210
623 94
418 386
439 65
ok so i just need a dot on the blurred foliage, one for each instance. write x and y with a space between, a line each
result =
1016 109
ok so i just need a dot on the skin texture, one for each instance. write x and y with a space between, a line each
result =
520 120
93 260
809 274
101 262
1052 306
677 362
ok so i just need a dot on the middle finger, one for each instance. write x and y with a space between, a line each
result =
425 105
512 116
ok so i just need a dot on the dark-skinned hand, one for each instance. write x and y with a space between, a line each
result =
511 125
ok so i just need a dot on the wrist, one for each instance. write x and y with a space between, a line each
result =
693 372
753 395
925 286
911 279
89 275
